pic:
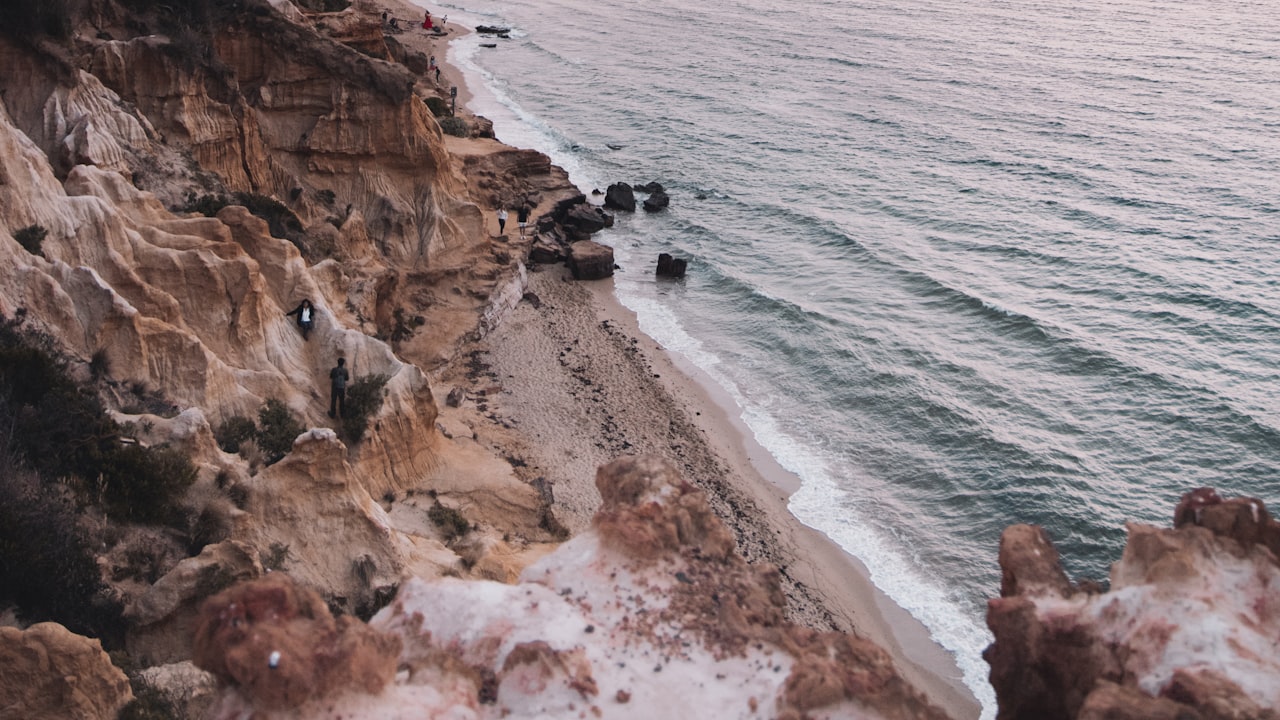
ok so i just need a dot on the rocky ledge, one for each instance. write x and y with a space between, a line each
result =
1188 630
648 614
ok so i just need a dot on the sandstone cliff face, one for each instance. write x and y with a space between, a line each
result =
1188 629
650 614
51 673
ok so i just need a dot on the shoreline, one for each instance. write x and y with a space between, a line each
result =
575 383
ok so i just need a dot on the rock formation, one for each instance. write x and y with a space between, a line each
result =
50 673
619 196
649 614
590 260
1186 631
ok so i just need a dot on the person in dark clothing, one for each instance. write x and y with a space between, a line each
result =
306 313
338 378
522 217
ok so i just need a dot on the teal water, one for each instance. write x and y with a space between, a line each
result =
960 264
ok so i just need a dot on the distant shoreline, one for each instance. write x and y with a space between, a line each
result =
827 586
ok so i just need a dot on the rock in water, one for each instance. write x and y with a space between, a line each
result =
589 260
657 201
587 219
669 266
620 196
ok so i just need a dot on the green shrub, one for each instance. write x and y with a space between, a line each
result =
455 126
277 429
31 238
437 106
233 431
280 219
206 205
364 400
47 565
451 522
144 484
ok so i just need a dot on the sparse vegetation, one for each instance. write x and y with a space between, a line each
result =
31 238
405 326
275 557
25 20
455 126
233 431
437 106
364 400
281 221
62 430
277 429
451 523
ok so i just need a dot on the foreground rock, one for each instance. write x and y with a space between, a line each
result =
1187 630
46 671
590 260
649 614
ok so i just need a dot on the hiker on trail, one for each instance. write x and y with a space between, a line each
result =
306 313
426 24
522 217
338 378
502 220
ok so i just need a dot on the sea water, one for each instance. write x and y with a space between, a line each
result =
960 264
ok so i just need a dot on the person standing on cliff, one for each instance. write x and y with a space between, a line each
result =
306 314
502 220
522 217
426 24
338 378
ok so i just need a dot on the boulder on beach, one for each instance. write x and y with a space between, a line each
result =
589 260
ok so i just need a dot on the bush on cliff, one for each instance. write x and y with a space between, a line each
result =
47 564
31 238
62 431
25 20
364 400
233 431
455 126
277 429
437 106
281 221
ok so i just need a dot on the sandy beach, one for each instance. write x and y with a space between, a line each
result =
568 382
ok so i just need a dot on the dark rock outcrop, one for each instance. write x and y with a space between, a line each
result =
586 219
620 196
657 201
669 266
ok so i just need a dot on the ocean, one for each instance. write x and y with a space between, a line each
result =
960 264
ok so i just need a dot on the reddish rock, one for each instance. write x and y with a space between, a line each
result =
280 645
1186 631
649 510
